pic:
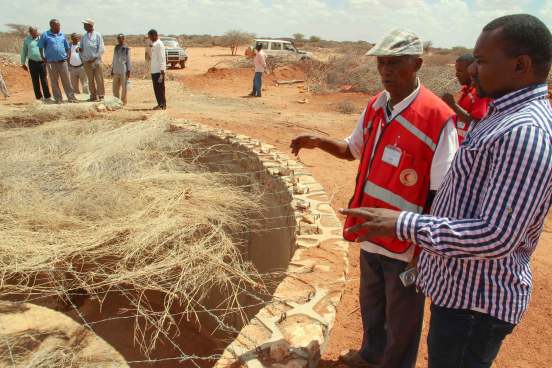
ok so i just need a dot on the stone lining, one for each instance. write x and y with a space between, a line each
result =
292 331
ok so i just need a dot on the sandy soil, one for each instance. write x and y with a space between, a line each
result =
217 99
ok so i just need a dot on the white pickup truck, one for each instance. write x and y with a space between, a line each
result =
176 55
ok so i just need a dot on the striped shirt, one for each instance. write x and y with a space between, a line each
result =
487 217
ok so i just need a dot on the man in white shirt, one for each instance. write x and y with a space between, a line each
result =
158 68
76 67
91 51
405 140
260 65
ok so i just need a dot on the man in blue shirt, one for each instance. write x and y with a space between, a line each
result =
54 49
30 54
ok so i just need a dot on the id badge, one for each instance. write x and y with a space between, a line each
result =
392 155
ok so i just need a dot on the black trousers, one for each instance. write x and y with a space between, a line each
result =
39 78
159 89
463 338
392 314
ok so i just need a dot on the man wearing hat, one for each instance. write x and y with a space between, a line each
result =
91 51
405 141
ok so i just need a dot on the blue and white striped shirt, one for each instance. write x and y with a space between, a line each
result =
488 215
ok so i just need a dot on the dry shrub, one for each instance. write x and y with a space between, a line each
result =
10 42
106 206
323 77
346 107
362 76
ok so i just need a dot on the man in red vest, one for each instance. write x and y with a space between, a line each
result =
405 141
470 106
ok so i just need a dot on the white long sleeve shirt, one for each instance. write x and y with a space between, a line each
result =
158 57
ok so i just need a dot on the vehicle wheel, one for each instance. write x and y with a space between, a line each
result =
173 66
182 64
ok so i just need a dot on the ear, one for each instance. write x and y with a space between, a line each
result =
523 66
418 62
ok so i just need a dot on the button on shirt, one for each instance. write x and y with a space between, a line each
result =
444 154
30 50
55 46
487 217
92 46
158 57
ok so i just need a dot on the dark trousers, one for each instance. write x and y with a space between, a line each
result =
39 78
257 84
392 314
159 89
464 339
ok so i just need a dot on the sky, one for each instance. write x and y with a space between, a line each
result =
446 23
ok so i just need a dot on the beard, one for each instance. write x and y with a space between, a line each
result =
480 91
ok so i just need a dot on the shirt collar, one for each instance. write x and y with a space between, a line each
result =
398 108
521 96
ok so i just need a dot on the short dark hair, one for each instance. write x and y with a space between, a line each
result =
52 21
466 58
525 34
74 35
259 46
152 32
120 35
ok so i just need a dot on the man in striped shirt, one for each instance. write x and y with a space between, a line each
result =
488 215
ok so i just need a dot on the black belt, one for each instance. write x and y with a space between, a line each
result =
56 62
79 66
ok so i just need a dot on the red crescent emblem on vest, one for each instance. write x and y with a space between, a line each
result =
408 177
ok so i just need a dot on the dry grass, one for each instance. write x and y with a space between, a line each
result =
346 107
105 205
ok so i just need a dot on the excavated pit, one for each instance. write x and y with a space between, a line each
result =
291 242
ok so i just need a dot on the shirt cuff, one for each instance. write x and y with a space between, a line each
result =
406 226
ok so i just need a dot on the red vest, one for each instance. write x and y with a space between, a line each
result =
397 175
476 106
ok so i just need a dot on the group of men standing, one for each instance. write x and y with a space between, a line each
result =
80 62
455 223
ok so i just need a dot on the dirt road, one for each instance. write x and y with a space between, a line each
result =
216 99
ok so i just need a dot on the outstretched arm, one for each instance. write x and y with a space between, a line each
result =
335 147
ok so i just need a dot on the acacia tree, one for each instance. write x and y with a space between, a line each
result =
299 37
19 29
428 45
234 39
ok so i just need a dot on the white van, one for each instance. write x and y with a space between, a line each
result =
281 48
